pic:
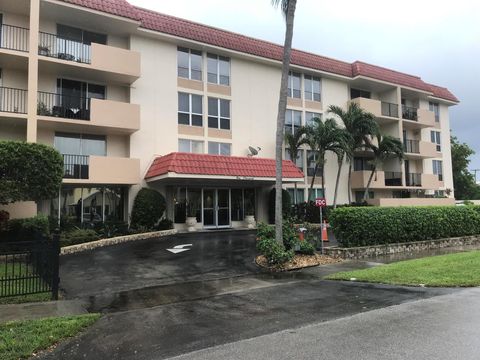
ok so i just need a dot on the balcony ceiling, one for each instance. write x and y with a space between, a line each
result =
371 85
10 59
20 7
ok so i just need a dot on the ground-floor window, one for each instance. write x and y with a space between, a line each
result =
315 193
359 196
300 195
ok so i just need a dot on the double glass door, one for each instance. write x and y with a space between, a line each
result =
216 208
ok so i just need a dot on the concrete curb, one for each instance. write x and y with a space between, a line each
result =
39 310
114 241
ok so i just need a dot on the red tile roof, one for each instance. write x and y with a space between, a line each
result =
217 37
202 164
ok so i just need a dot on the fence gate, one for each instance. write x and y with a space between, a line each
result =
29 267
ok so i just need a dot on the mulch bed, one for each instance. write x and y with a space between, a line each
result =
298 262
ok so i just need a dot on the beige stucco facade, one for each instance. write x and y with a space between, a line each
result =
138 116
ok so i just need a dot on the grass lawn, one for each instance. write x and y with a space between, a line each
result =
461 269
21 285
20 339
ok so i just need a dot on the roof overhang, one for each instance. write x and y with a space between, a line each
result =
168 177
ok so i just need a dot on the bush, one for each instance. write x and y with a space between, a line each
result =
286 205
148 207
290 236
274 252
165 224
307 212
4 217
28 229
306 248
112 228
363 226
78 236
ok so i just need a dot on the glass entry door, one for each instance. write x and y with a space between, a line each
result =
216 208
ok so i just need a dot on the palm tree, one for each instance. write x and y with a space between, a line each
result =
387 147
293 145
323 137
361 126
345 152
288 9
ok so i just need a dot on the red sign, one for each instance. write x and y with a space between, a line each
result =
320 202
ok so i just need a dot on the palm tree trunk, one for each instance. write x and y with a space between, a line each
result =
313 180
365 195
295 194
282 107
340 163
349 185
323 179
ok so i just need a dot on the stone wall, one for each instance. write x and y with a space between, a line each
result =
389 249
114 241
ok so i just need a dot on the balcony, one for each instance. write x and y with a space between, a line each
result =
112 116
417 118
393 178
412 202
414 179
14 38
13 100
107 63
415 149
360 179
378 108
389 109
411 146
432 181
100 170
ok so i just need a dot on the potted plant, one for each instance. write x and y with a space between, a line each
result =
249 214
191 221
43 50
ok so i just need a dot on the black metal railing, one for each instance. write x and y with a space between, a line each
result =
64 106
389 109
75 166
393 178
414 179
62 47
30 267
409 113
14 38
411 146
13 100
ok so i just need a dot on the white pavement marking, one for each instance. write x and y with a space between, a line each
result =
179 248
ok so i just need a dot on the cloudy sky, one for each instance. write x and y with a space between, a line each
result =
436 39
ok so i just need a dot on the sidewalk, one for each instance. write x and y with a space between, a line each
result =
29 311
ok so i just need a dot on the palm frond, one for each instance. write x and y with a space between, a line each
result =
283 4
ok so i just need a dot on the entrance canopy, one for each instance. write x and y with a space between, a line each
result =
202 166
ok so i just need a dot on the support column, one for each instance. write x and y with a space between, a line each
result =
33 71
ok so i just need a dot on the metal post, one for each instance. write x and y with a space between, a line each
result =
103 205
59 204
55 252
81 210
321 231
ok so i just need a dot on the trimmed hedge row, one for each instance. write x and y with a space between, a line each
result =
364 226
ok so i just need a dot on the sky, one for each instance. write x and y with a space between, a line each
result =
437 40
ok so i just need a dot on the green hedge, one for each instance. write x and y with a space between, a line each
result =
28 229
363 226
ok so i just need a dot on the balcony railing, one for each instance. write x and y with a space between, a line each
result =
389 109
409 113
411 146
393 178
61 47
414 179
75 166
14 38
64 106
13 100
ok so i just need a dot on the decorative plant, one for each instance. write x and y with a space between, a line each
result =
42 109
192 207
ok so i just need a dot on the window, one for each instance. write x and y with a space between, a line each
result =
436 110
312 88
356 93
435 136
294 88
190 146
218 69
293 120
309 116
74 43
80 144
362 164
218 113
298 161
190 109
316 193
300 195
74 98
438 169
79 35
359 196
311 161
216 148
189 64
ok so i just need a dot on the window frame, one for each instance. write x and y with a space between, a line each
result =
309 122
189 69
190 145
319 170
219 116
435 108
292 124
436 138
312 79
219 147
190 112
290 89
437 166
300 158
218 76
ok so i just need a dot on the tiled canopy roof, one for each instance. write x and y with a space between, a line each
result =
171 25
202 164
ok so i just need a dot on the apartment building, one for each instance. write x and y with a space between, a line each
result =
135 98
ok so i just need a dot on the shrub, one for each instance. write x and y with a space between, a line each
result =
78 236
307 212
306 248
286 205
28 229
4 217
148 207
274 252
290 236
363 226
165 224
112 228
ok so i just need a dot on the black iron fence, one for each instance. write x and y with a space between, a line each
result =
14 38
64 106
62 47
393 178
389 109
411 146
414 179
75 166
13 100
29 267
409 113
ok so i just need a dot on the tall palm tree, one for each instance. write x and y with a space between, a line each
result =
323 137
288 9
387 147
293 145
361 126
341 155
